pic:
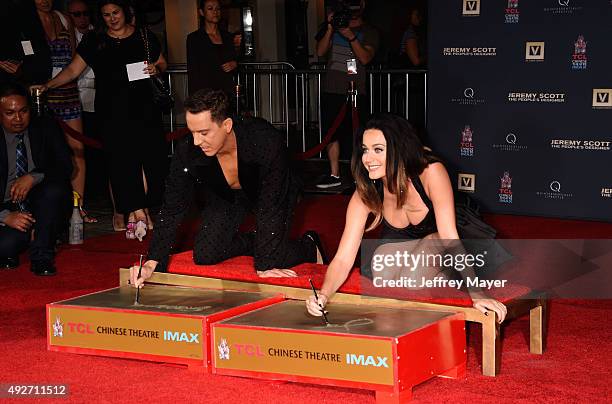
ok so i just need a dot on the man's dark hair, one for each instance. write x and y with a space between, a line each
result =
202 3
206 99
12 88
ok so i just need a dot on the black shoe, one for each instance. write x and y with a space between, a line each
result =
314 236
330 181
9 262
43 268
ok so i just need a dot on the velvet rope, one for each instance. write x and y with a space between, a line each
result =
328 136
96 144
179 133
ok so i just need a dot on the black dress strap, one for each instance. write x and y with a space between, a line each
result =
418 185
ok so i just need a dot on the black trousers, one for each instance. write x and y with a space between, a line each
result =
219 238
49 203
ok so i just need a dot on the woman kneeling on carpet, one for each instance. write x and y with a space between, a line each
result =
406 189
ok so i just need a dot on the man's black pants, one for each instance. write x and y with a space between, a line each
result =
49 203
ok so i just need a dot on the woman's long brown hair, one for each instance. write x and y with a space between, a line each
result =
406 159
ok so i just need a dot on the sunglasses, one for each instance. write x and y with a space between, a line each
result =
80 13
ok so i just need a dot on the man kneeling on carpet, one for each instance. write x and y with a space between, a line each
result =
233 166
35 169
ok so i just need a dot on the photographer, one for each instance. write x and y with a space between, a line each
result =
349 44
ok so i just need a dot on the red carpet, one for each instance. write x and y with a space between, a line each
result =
575 367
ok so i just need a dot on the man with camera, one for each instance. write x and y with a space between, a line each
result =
349 44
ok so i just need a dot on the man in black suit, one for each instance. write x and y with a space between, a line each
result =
35 169
233 166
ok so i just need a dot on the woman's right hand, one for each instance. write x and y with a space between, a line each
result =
315 307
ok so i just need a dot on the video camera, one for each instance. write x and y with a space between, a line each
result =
344 10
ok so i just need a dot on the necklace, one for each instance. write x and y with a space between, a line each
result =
119 37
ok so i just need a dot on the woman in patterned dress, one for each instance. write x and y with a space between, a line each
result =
64 101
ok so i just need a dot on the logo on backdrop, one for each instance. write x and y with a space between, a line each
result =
224 349
583 144
534 51
471 8
469 97
466 182
511 144
579 58
512 12
536 97
602 98
606 193
58 328
466 147
554 192
562 7
505 190
469 51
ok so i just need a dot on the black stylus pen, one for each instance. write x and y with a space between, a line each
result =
317 297
137 301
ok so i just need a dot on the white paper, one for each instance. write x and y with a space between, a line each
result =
27 48
135 71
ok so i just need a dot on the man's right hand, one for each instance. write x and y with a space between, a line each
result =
21 221
42 87
147 270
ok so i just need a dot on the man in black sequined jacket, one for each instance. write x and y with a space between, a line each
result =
233 166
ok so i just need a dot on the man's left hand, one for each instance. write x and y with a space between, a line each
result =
347 33
21 188
277 273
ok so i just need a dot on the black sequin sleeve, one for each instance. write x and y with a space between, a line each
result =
177 198
273 206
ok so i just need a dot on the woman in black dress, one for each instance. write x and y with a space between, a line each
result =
413 200
211 56
130 122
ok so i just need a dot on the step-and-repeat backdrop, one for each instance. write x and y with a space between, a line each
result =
520 103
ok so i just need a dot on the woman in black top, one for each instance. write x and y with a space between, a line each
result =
211 57
406 189
131 124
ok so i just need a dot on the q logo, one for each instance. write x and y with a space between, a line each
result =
468 92
564 3
555 186
511 138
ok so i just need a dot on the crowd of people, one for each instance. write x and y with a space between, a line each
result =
231 165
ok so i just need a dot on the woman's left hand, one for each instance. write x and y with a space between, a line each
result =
151 69
229 66
483 305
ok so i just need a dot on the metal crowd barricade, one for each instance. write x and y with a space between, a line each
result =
290 98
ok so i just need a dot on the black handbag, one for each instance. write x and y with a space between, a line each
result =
162 96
